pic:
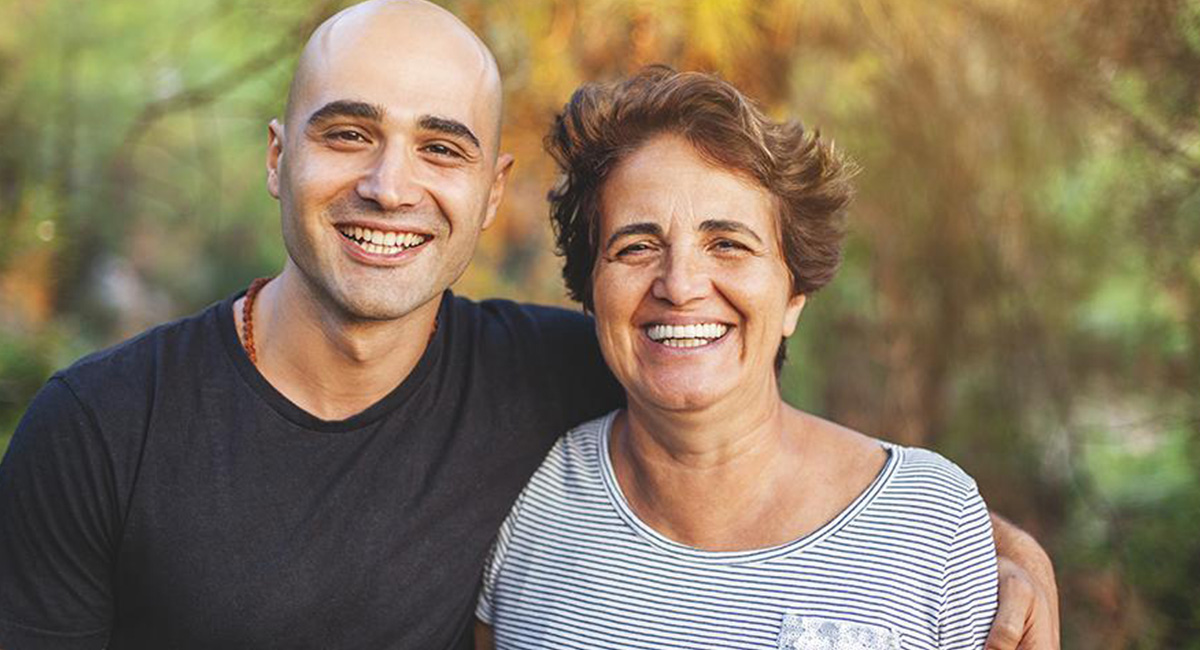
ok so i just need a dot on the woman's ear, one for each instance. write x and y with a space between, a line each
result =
791 315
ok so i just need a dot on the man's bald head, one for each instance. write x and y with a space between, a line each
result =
383 31
392 129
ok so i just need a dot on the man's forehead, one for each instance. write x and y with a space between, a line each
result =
399 91
405 57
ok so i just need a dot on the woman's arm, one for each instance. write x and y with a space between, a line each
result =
1027 618
484 639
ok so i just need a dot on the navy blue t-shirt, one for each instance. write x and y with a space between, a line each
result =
162 494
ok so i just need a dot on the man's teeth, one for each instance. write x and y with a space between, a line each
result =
381 242
686 336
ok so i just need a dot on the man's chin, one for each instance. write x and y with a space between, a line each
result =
374 308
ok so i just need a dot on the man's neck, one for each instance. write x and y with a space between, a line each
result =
325 363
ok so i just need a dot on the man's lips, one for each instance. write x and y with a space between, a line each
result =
377 241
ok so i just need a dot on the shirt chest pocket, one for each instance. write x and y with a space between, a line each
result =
800 632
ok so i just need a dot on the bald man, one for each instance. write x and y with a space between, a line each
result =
321 461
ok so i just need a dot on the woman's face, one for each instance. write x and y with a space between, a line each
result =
690 290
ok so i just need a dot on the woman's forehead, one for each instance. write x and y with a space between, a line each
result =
668 182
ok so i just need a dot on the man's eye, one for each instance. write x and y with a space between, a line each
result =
347 136
442 150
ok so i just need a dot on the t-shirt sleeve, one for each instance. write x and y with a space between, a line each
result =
970 583
576 369
485 608
57 518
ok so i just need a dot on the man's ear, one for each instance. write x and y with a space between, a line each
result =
504 163
792 313
274 156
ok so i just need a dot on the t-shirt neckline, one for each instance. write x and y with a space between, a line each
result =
302 418
690 553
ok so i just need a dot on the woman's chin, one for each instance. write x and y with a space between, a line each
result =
678 395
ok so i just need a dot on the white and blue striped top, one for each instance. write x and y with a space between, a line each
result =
909 564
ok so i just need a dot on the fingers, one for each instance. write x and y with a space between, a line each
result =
1028 592
485 637
1040 634
1018 599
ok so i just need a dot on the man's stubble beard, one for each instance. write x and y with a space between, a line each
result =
348 299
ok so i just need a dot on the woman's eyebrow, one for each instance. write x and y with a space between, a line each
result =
727 225
640 228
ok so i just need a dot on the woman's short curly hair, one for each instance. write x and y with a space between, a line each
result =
603 124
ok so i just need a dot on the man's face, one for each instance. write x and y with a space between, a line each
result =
386 170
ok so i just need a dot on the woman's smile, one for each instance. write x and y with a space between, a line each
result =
686 336
692 295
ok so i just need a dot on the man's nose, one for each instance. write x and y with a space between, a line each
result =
683 277
390 181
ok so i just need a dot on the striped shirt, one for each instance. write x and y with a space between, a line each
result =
908 564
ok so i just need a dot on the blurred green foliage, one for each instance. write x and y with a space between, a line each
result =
1021 287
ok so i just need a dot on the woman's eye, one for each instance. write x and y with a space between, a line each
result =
634 249
728 245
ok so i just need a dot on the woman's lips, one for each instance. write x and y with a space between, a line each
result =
691 335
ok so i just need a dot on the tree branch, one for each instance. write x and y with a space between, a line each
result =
1040 54
211 90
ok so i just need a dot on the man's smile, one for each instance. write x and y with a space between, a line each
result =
382 242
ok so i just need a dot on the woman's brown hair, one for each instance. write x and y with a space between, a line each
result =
603 123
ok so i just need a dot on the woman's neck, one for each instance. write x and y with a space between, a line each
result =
709 480
739 479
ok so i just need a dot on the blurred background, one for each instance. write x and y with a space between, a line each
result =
1021 288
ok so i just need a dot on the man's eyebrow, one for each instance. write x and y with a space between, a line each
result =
346 108
640 228
448 126
727 225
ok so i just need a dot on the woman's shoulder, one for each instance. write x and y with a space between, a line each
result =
929 494
583 443
906 465
915 493
927 465
591 429
575 461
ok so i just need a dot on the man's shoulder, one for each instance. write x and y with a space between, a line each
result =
503 308
112 395
141 357
503 317
547 354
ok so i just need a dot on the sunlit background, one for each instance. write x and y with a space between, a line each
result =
1022 281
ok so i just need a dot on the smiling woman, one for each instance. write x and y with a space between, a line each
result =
690 252
709 513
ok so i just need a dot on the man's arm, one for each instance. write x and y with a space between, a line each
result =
485 639
56 516
1027 618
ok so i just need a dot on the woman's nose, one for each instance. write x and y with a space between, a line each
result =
682 278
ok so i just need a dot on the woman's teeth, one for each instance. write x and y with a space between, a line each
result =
380 242
686 336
